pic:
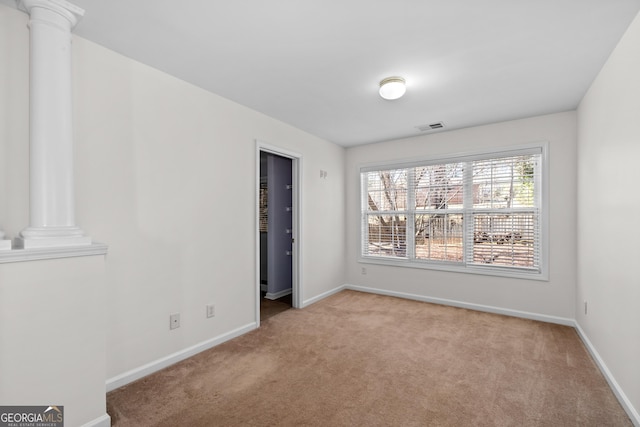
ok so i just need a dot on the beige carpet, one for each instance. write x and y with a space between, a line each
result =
270 308
357 359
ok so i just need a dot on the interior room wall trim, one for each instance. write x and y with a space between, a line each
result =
156 365
103 421
322 296
20 255
620 395
164 362
276 295
477 307
615 387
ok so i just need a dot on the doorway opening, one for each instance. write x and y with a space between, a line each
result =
278 234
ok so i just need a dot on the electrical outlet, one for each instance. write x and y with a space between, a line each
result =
364 270
211 310
174 320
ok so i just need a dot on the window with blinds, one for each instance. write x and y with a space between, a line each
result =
479 213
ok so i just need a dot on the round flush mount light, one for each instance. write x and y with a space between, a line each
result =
392 88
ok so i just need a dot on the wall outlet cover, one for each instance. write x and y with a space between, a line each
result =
174 321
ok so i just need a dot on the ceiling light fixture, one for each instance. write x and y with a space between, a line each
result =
392 88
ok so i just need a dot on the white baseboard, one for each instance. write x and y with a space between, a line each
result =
103 421
149 368
276 295
322 296
142 371
478 307
615 387
622 397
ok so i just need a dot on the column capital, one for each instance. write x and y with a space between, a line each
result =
63 8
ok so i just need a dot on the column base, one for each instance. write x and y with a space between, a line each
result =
51 237
5 245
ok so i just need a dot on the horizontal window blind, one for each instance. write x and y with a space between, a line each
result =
481 213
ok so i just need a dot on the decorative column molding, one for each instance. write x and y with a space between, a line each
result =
51 181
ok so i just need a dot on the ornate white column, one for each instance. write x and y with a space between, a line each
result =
51 185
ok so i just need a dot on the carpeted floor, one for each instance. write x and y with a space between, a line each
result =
269 308
358 359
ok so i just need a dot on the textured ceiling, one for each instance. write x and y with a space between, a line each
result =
316 64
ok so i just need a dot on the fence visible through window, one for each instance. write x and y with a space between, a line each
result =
472 212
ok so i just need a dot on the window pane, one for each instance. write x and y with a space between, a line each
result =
506 240
439 186
387 235
439 237
504 182
387 190
473 210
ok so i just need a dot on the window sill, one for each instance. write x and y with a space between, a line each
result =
455 268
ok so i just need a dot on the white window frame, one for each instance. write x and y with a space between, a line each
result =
542 273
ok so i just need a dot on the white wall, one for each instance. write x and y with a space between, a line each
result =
52 313
608 206
165 175
14 119
52 327
553 298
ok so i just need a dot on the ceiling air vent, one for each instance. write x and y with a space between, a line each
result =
432 126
